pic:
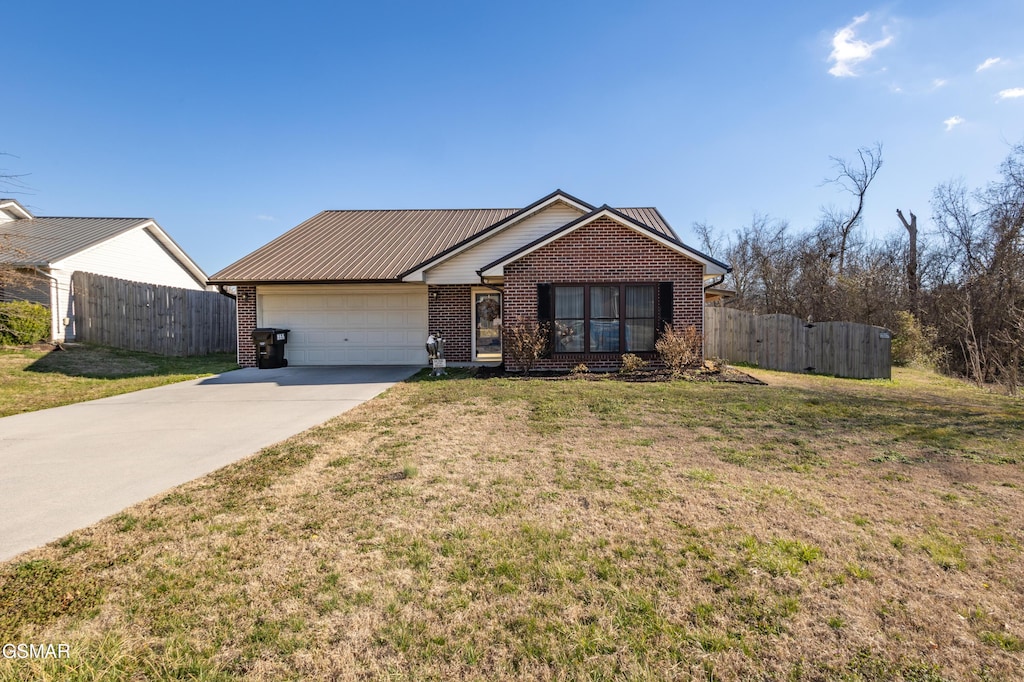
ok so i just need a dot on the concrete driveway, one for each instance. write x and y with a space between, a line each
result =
68 467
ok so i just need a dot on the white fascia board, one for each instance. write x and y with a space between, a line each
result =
417 275
710 269
12 206
175 250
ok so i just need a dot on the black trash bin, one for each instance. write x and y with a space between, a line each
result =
270 343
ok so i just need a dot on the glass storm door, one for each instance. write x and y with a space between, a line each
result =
487 313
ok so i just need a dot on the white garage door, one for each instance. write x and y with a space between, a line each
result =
348 324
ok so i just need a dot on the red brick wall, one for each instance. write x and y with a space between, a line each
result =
246 307
450 311
603 251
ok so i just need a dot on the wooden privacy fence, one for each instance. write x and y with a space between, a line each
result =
788 344
152 318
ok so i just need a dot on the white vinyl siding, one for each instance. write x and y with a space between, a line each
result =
347 324
462 269
134 255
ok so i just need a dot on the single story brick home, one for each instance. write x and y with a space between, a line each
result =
45 251
367 287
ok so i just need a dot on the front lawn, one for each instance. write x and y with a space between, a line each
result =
35 379
814 528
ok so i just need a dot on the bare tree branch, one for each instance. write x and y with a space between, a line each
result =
855 177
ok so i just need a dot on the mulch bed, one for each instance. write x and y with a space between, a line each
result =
719 373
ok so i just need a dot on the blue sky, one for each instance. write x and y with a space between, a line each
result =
230 122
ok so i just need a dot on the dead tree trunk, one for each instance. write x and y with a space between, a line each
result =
912 280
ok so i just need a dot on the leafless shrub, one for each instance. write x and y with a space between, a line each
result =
525 342
632 363
679 350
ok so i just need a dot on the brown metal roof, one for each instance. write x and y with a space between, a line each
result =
43 240
651 217
339 246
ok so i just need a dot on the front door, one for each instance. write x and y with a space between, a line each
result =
487 326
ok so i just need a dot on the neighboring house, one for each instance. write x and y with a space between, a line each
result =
366 287
719 294
45 251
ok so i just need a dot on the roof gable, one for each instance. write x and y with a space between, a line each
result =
556 197
712 267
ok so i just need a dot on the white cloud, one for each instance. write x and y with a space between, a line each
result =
1011 93
988 63
267 218
938 83
848 51
953 122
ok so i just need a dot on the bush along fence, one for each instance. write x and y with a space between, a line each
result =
152 318
788 344
22 322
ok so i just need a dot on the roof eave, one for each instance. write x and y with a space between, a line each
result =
264 282
12 205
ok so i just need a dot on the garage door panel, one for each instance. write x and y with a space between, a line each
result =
355 318
311 357
334 338
336 303
355 338
396 338
308 338
376 318
351 325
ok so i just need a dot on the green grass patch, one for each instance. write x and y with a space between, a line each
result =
35 380
943 550
780 556
39 591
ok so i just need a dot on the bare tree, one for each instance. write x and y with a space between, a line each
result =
958 227
710 243
11 183
854 177
12 277
976 300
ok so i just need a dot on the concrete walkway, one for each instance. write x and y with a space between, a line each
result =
68 467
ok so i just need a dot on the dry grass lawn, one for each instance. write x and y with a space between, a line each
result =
811 529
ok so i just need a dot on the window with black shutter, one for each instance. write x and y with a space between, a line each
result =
605 317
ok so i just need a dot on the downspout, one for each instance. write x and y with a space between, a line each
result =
54 300
221 289
703 306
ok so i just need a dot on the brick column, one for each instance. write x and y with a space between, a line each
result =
246 310
450 311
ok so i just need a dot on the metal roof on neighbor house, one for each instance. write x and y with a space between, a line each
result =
340 246
43 240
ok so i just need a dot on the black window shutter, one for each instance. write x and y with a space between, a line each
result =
665 308
545 315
